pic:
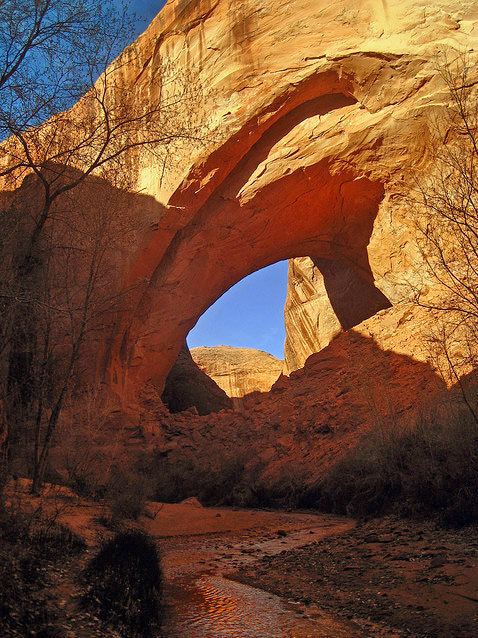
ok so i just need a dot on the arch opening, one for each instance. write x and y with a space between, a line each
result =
267 209
248 315
240 344
239 340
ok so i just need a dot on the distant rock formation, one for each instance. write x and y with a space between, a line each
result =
238 371
189 387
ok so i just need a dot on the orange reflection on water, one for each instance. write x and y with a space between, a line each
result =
223 609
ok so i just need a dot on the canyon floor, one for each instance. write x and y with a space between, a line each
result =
390 577
262 574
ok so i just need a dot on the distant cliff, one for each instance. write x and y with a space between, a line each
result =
238 371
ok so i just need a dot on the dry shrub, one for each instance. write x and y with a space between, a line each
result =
427 469
211 478
86 445
128 492
222 477
219 478
29 544
123 584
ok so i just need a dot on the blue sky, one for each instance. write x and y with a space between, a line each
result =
251 314
146 10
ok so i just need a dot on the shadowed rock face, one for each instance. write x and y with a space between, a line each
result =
315 126
238 371
325 297
310 420
187 386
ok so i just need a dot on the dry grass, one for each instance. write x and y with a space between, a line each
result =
124 584
29 545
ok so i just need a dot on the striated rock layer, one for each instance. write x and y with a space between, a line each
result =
324 297
238 371
309 318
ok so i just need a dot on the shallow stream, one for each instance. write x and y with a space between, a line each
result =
202 602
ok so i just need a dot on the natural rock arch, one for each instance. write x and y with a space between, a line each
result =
317 123
318 117
324 210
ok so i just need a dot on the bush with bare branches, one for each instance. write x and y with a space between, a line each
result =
429 469
446 207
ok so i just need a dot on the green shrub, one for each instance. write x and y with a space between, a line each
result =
123 584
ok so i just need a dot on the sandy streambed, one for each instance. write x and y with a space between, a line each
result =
391 577
204 602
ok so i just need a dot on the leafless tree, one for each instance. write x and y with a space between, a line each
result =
52 54
78 295
448 222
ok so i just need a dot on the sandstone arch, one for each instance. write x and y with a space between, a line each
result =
322 210
316 115
318 112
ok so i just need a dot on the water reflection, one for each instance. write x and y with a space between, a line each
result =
215 607
202 602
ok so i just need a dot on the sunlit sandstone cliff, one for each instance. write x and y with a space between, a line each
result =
310 320
317 117
324 297
312 124
238 371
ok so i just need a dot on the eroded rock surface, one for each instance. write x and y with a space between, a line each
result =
318 124
238 371
324 297
295 433
312 124
187 386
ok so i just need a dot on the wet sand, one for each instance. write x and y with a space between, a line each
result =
203 602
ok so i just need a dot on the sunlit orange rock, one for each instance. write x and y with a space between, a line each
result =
316 117
324 297
311 123
238 371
